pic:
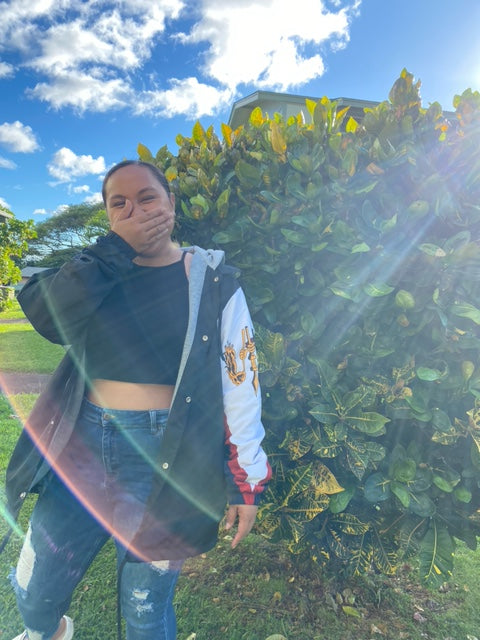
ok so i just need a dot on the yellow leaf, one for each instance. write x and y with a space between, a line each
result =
227 134
144 153
256 117
311 106
351 126
341 113
171 174
278 141
325 481
198 132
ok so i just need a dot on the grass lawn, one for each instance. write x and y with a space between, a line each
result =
257 590
14 312
22 349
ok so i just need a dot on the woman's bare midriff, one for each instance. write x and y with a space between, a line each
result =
132 396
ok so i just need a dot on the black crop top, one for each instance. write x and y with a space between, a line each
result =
137 333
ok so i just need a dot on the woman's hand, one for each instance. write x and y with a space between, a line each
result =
246 514
140 228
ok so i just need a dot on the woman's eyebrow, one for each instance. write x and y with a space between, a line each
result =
147 189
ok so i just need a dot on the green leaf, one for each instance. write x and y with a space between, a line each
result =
248 175
357 458
296 447
422 505
404 470
442 483
339 501
299 238
441 420
402 493
432 250
436 555
222 202
377 290
324 413
466 310
422 480
350 524
377 488
201 202
298 480
364 396
427 374
341 293
362 247
308 322
463 494
369 422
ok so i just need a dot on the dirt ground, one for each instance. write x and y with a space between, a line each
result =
12 383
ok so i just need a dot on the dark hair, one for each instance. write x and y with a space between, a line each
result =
136 163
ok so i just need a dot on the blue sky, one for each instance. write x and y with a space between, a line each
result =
82 83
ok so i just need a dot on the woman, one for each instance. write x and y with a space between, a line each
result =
150 424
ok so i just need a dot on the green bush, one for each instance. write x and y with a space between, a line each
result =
358 245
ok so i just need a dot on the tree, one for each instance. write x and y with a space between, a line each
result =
358 248
61 236
14 236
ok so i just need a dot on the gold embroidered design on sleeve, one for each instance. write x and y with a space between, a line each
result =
247 351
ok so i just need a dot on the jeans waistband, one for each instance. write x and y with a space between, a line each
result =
92 411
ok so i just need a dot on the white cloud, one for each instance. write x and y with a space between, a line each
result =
185 97
85 52
65 165
265 42
7 164
6 69
95 198
83 92
4 204
84 188
98 56
40 212
18 137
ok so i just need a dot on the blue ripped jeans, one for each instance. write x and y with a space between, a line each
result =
100 489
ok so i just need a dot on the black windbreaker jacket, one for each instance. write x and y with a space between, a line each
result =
201 467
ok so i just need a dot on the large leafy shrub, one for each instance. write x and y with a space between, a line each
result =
358 245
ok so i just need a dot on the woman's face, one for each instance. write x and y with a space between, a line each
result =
140 186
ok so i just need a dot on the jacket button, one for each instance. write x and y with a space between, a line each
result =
204 338
216 279
188 399
165 465
23 495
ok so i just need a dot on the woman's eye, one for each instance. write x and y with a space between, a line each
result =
118 203
148 198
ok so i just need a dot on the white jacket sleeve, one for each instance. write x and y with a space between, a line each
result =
247 469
